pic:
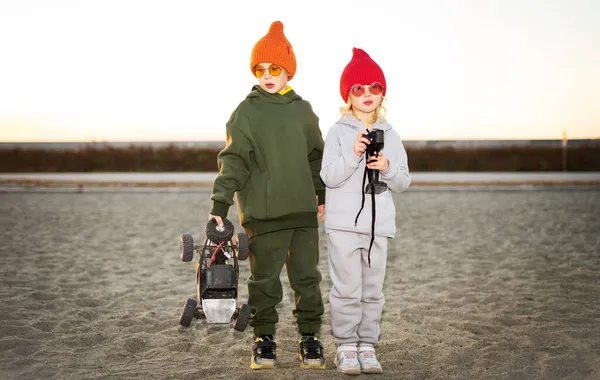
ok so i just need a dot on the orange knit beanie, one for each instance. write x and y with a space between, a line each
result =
274 48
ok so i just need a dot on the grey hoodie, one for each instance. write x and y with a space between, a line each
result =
342 172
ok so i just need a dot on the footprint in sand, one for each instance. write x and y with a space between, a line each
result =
44 326
43 296
89 302
134 345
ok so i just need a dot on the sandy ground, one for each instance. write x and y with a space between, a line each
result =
83 181
480 285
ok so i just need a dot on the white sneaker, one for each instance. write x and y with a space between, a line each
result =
367 359
346 359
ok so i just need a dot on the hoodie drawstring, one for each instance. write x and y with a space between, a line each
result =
362 205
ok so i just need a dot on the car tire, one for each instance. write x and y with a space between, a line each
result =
188 313
186 247
243 317
243 245
218 234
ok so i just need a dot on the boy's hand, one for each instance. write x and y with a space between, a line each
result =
378 162
360 144
321 212
217 218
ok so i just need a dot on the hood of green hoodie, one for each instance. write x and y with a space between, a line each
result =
351 121
258 93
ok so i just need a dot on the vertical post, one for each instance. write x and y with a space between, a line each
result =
564 150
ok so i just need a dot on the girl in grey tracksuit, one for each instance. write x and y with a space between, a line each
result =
357 275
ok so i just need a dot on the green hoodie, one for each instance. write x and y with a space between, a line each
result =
272 161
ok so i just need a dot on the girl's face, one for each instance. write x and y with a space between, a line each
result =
366 98
271 77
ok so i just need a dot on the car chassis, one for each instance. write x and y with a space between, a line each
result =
216 278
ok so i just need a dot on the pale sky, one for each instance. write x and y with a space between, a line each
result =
146 70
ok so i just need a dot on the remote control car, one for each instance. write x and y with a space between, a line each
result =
217 274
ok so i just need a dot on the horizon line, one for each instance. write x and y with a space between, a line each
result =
223 140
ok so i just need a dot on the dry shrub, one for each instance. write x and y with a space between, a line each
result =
173 158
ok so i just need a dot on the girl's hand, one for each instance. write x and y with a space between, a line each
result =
360 144
321 212
378 162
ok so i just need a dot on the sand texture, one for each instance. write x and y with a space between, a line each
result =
480 285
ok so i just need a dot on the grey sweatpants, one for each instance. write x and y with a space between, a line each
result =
356 297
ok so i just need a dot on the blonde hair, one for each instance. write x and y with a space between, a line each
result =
379 114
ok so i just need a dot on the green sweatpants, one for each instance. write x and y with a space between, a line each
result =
298 249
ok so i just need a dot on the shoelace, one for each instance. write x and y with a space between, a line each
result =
311 349
266 352
265 349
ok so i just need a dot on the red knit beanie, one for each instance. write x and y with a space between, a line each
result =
360 70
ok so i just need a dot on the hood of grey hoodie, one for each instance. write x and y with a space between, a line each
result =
343 172
357 125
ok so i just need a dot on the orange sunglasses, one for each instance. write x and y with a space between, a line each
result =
274 70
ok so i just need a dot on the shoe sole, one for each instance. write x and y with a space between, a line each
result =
349 371
355 371
267 365
371 370
311 365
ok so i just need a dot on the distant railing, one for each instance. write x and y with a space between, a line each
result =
218 145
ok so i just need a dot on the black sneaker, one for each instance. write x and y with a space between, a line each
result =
264 353
311 352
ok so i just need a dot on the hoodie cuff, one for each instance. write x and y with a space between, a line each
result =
352 159
320 197
390 172
219 209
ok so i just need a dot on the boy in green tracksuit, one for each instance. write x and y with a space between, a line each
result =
271 162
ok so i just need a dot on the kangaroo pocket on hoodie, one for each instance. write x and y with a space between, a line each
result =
342 208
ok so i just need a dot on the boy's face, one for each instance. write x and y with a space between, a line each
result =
274 78
367 102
